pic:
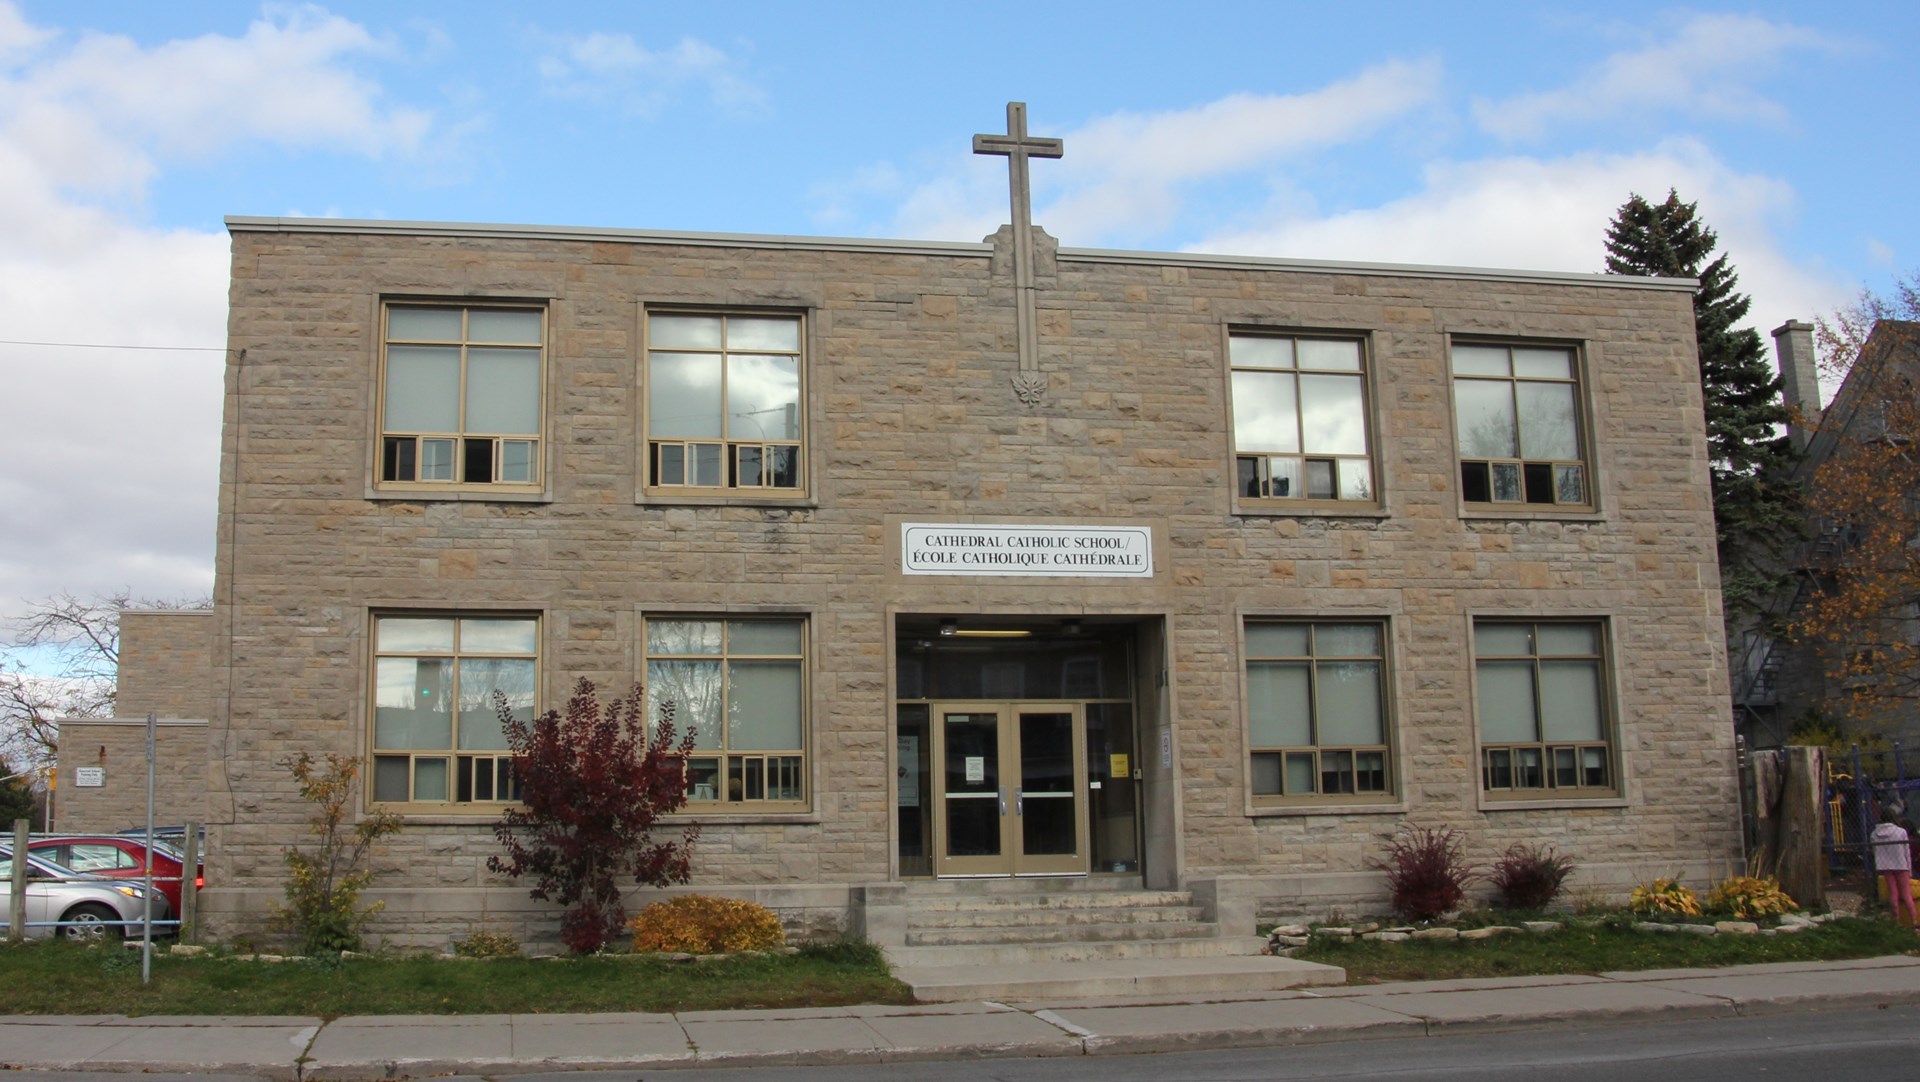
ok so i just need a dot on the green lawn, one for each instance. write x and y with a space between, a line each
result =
56 978
1601 946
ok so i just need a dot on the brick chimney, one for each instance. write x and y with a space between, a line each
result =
1799 377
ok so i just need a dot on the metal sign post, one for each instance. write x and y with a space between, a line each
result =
146 922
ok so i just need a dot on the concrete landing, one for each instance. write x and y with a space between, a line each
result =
1017 982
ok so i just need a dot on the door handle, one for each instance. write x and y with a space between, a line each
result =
1019 802
1003 802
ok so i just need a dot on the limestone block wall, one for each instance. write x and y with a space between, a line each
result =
118 748
910 417
166 663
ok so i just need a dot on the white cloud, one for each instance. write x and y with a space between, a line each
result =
1536 214
615 68
115 452
1129 171
1706 70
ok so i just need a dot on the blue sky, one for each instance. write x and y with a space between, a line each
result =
1493 135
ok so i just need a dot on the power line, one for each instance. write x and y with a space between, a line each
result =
114 345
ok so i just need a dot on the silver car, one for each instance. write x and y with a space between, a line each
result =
88 909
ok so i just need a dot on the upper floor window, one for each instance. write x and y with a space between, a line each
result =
1300 418
740 686
437 736
724 399
1545 725
460 395
1316 711
1517 418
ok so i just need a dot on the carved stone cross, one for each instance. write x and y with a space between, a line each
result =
1018 146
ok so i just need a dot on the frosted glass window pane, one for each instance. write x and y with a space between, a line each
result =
1277 640
516 460
1356 479
1266 775
479 678
436 460
481 636
423 324
1543 363
412 703
1264 415
1349 703
1285 477
706 464
1484 415
1333 419
1333 356
390 777
1260 352
763 397
763 705
764 637
1346 640
503 390
694 689
748 333
1506 702
1570 694
1302 779
1569 640
503 325
1278 704
683 636
1503 640
1480 361
423 389
684 332
429 779
683 395
1320 479
413 635
1546 421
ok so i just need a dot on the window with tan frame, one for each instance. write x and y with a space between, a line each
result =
1546 722
1317 717
1300 423
437 739
460 396
740 685
1517 419
725 396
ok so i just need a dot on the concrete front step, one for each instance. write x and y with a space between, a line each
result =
998 954
1059 933
1009 917
1113 977
947 902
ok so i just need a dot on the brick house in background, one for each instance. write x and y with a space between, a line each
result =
1240 564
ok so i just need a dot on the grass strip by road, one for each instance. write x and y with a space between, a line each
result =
1600 946
58 978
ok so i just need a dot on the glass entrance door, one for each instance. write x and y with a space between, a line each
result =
1011 781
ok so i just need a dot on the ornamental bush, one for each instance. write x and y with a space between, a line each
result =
323 886
1427 871
1664 896
1745 897
593 783
703 924
1529 876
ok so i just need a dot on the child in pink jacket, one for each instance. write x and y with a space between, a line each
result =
1895 861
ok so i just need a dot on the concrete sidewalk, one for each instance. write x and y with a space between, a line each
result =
387 1047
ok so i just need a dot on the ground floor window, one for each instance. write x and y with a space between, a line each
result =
1316 711
740 686
1545 722
437 735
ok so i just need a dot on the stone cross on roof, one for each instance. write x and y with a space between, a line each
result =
1018 146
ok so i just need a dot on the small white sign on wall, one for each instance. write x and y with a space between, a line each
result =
90 777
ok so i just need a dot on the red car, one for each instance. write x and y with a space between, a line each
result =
118 858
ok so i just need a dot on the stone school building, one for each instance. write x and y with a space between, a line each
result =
966 563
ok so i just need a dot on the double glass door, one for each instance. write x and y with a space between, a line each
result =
1011 789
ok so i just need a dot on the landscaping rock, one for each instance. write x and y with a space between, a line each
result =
1279 940
1336 933
1292 929
1788 929
1651 927
1797 920
1488 932
1437 933
1386 937
1363 929
1697 929
1736 927
1541 925
186 950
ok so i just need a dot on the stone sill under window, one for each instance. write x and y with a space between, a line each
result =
742 499
1256 508
1270 811
486 815
1491 802
1522 512
472 494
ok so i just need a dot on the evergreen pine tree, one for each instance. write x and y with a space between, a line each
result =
1756 508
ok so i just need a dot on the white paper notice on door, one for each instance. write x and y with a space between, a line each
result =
976 769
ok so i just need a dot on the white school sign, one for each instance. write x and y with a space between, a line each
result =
944 548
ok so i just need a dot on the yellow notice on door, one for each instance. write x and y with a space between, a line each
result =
1119 766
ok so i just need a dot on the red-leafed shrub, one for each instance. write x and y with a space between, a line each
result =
1530 876
592 784
1427 871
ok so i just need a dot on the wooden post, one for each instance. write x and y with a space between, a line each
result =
1799 863
17 887
189 892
